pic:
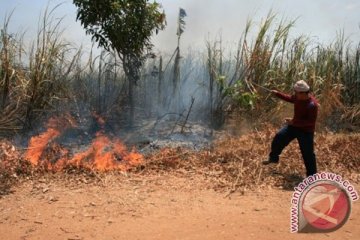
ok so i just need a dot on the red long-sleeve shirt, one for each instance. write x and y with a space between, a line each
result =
305 111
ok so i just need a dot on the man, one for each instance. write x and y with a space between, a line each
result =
301 126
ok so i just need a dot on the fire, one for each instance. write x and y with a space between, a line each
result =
38 144
103 154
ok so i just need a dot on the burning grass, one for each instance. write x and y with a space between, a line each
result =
231 164
103 154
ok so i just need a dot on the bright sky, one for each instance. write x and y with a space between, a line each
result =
318 19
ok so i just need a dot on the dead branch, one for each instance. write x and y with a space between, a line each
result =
187 116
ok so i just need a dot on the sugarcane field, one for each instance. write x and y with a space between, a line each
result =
179 120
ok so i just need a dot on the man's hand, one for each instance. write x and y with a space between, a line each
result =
274 91
288 121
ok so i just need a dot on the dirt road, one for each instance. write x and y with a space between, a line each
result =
158 207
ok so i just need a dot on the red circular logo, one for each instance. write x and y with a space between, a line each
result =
326 206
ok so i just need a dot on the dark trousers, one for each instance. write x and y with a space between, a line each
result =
306 143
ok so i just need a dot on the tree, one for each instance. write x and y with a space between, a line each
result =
126 27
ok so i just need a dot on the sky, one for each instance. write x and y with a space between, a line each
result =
320 20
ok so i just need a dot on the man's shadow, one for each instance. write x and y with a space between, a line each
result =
288 181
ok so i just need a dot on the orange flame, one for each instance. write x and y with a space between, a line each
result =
103 154
38 144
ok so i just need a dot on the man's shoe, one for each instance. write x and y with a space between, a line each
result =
267 162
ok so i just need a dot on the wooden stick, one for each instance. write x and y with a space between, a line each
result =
187 116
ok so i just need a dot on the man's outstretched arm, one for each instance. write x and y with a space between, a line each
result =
283 96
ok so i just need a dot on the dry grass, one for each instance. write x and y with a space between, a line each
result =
233 163
276 61
12 166
34 79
